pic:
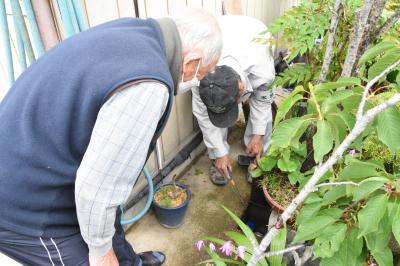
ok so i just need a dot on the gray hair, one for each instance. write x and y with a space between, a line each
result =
199 29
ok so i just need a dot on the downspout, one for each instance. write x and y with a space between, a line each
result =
5 36
46 24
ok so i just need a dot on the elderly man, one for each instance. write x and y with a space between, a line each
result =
77 128
244 73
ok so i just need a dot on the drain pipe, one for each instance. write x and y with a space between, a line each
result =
182 155
159 154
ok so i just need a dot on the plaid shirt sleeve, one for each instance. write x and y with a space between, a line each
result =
114 159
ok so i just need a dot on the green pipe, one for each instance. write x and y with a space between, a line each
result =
20 48
21 28
66 19
34 28
5 37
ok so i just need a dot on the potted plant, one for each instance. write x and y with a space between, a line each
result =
170 202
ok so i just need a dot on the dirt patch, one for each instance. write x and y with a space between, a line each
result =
170 196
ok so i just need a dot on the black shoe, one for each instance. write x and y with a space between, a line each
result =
152 258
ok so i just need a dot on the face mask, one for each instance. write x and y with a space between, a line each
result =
184 86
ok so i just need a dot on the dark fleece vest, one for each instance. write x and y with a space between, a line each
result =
47 118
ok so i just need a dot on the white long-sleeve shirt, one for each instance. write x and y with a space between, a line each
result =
255 66
114 159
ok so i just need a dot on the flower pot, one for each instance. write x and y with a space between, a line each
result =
274 205
171 217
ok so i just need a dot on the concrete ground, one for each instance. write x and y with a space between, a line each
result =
205 217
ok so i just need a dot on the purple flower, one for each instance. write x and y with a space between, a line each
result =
352 152
227 248
212 246
199 244
240 251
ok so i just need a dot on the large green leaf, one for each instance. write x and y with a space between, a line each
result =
394 216
322 140
374 51
337 97
312 228
307 212
287 130
341 82
390 57
339 128
358 171
349 251
330 240
332 195
384 257
372 213
388 128
266 163
240 240
367 186
287 103
278 243
215 257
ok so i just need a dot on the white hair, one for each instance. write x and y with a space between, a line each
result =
199 29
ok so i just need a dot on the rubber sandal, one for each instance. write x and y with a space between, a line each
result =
152 258
216 177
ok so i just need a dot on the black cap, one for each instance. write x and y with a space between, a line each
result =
219 91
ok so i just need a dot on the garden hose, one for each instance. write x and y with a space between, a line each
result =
135 218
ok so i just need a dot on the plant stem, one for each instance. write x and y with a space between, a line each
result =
320 117
337 184
283 251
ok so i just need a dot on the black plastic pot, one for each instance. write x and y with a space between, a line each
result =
172 217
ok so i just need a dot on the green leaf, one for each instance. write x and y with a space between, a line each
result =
341 82
245 229
388 128
332 195
368 186
286 105
307 212
322 140
349 251
339 128
278 243
394 216
384 257
390 57
337 97
215 257
311 228
330 240
287 130
286 165
267 163
374 51
370 216
357 171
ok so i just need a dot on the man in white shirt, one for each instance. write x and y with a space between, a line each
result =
245 73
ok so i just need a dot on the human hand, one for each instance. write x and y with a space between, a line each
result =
255 147
107 260
223 165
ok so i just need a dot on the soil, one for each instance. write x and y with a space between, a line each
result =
170 196
279 188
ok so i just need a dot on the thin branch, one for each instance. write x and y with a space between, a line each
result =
283 251
356 38
369 85
359 127
337 184
388 24
329 45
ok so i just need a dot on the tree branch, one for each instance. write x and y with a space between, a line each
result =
356 38
337 184
369 85
329 45
283 251
387 25
359 127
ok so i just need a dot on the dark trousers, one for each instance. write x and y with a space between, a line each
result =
68 251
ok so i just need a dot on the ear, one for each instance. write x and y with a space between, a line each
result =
189 57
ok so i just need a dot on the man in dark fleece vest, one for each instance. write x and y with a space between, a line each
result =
77 128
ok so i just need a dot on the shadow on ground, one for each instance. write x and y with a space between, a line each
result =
205 216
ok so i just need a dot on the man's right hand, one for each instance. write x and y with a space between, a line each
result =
223 165
107 260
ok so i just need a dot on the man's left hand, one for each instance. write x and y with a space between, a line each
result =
255 147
